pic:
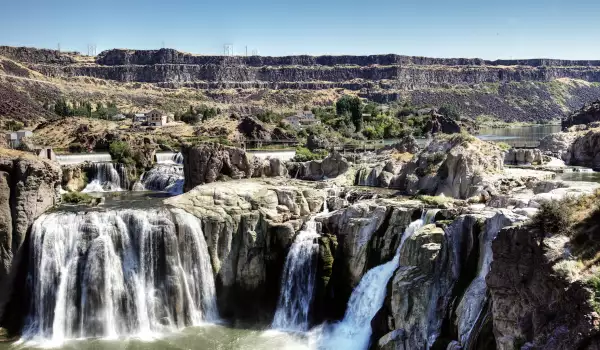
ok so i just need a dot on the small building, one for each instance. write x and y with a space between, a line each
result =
118 117
156 118
140 118
14 139
45 153
302 118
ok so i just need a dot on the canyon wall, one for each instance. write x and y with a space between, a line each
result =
28 187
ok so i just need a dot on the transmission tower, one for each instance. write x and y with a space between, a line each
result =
228 50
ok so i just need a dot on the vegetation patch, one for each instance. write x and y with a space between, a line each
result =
436 201
304 155
80 198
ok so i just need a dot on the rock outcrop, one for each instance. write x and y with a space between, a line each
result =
438 123
208 162
454 166
533 306
558 145
588 114
249 225
585 150
28 187
438 295
332 166
520 156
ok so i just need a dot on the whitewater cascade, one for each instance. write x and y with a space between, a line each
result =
169 158
106 177
71 159
117 273
354 331
298 281
164 177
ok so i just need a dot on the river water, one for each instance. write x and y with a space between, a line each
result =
518 136
202 337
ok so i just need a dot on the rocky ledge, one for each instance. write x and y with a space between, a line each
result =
28 187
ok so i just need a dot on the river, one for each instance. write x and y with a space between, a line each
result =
518 136
202 337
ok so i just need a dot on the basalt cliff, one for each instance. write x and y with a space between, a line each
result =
507 89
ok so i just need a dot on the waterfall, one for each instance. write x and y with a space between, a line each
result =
169 158
164 178
354 331
70 159
298 281
106 177
117 273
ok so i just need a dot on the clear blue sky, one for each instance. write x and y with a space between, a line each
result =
440 28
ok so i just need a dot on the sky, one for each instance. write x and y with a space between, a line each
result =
567 29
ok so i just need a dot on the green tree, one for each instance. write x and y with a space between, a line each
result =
119 151
62 108
450 112
351 106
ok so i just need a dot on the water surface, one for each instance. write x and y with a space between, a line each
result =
207 337
520 135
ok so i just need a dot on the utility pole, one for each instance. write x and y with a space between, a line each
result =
58 47
246 50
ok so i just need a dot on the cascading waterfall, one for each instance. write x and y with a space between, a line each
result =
354 331
164 178
106 177
118 273
298 281
71 159
169 158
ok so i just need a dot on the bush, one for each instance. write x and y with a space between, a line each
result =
450 112
190 119
80 198
304 155
553 217
76 147
120 151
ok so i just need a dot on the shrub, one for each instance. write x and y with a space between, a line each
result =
304 155
450 112
79 198
568 269
553 217
503 146
76 148
190 119
120 151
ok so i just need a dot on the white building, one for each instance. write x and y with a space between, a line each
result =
302 118
118 117
156 118
14 139
140 118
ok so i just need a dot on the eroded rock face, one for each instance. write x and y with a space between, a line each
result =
454 166
441 124
332 166
28 187
207 162
585 150
558 145
249 225
533 307
516 156
438 297
589 113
